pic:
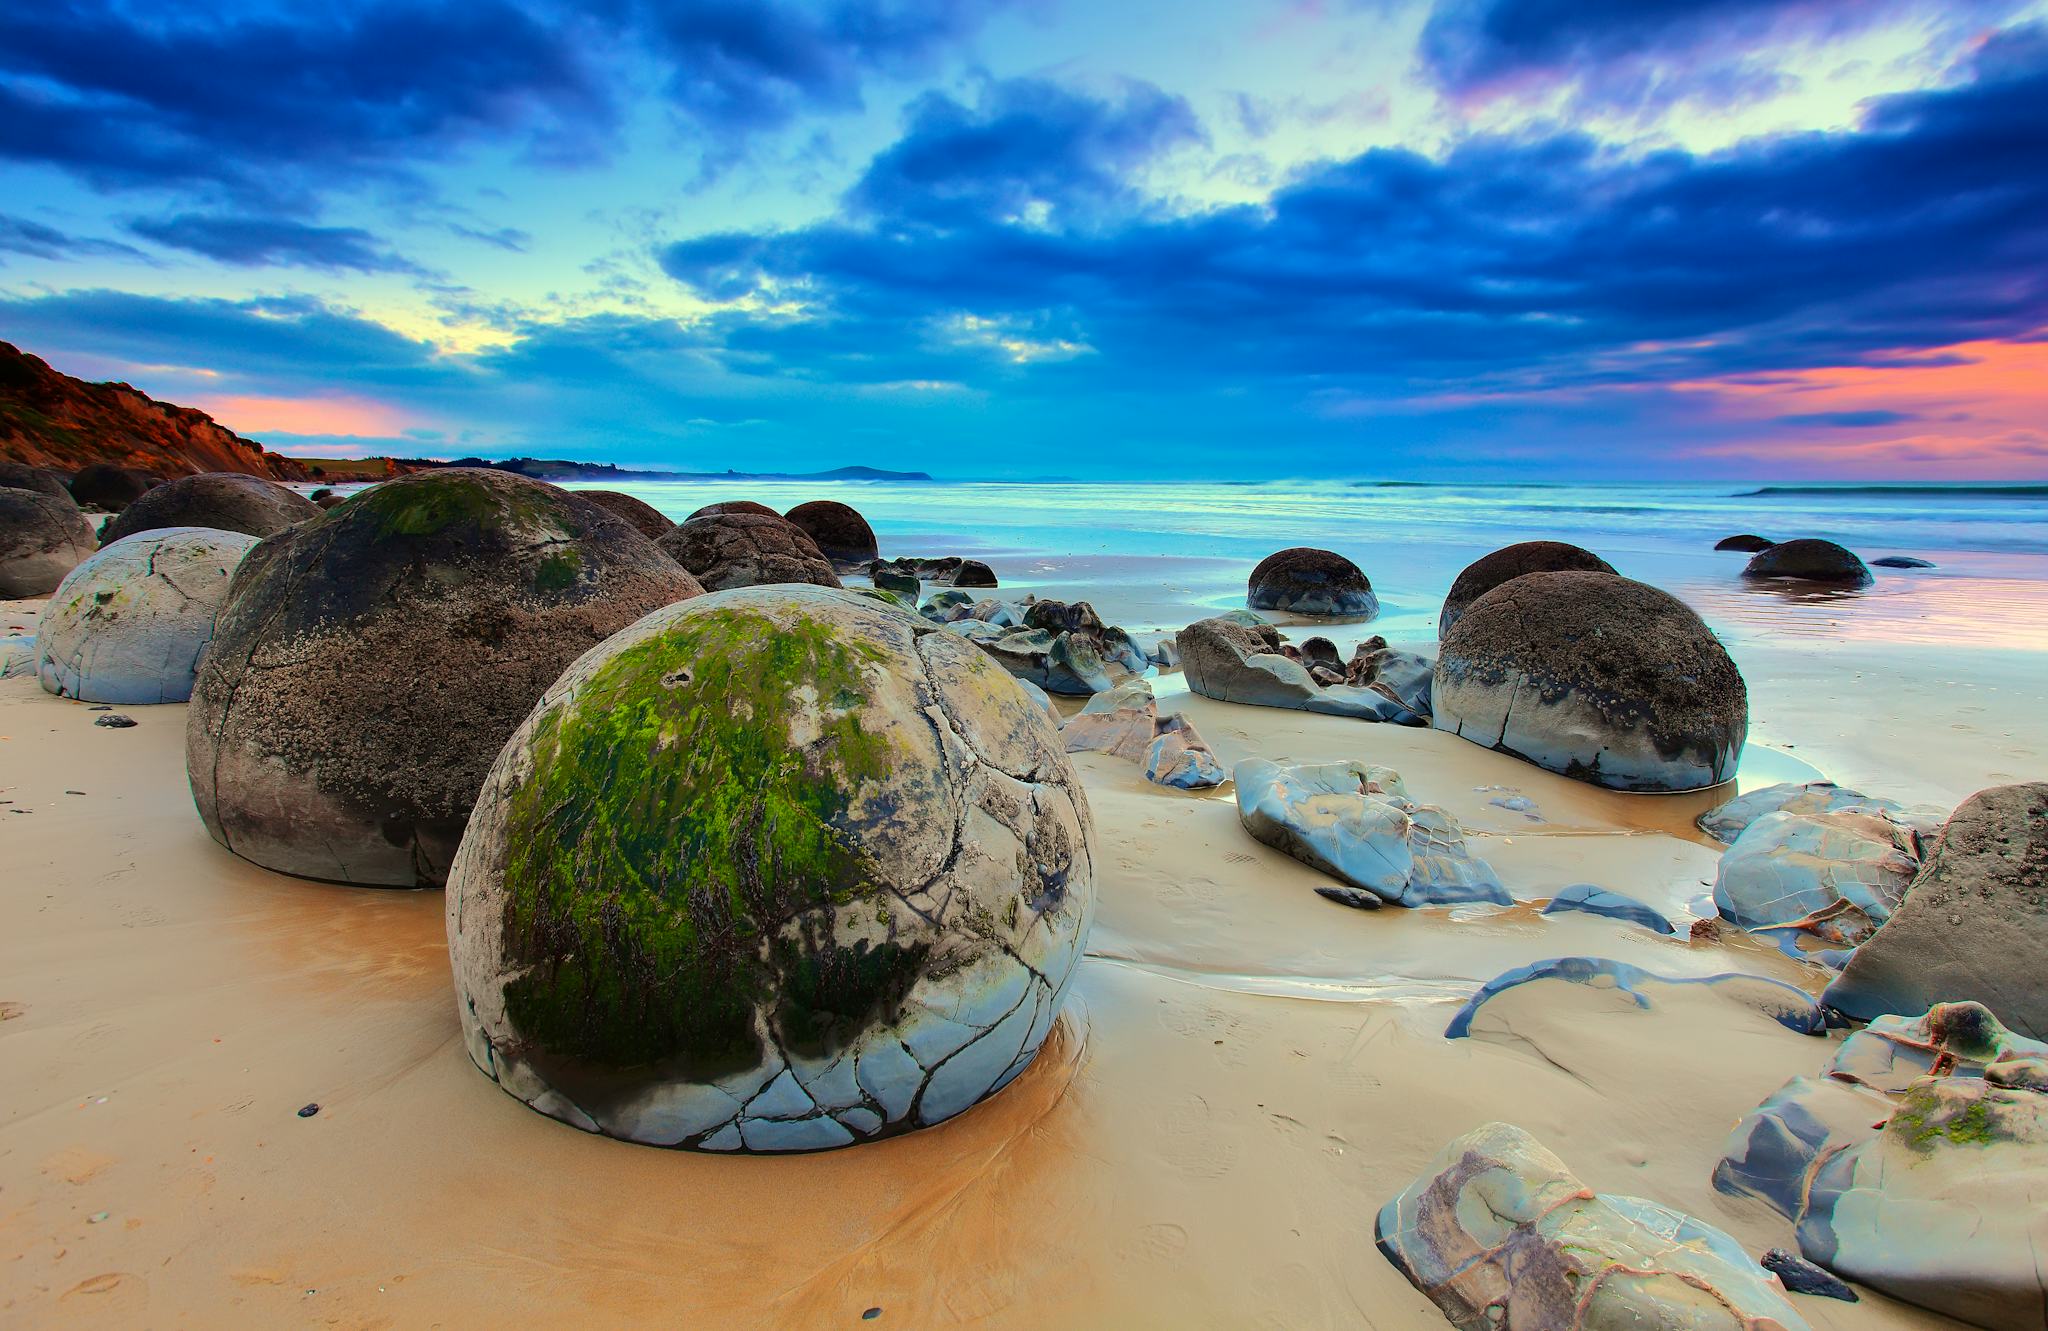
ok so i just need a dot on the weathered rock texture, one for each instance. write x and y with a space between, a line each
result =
1125 723
1973 924
369 664
1727 822
1509 563
42 538
1503 1237
778 869
1595 676
838 529
644 517
1816 884
944 571
1063 647
1231 660
1809 561
1306 581
221 500
43 480
738 549
726 506
128 624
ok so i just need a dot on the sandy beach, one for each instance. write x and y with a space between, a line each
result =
1243 1074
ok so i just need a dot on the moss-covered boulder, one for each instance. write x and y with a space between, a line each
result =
368 665
42 538
777 869
221 500
648 520
127 625
838 529
729 550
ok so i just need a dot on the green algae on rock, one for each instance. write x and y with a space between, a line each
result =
780 868
369 663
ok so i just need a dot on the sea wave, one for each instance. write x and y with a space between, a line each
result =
1915 491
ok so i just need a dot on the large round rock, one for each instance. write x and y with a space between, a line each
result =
724 506
1597 677
648 520
1503 565
778 869
20 476
127 625
42 537
106 488
369 664
222 500
737 549
838 529
1307 581
1809 561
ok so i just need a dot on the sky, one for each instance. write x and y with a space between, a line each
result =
1402 239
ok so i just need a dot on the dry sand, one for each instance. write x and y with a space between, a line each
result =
1245 1074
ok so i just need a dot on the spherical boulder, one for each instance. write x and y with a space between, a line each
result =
1809 560
20 476
777 869
645 517
106 488
725 506
1490 571
1307 581
748 550
838 529
368 665
1595 676
221 500
42 537
127 625
1747 543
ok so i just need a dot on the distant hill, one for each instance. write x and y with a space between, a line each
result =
49 419
556 469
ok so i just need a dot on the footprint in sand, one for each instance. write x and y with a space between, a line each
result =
1192 1139
111 1292
1158 1242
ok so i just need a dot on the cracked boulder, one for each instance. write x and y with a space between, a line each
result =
839 531
1502 1236
1597 677
1511 562
42 538
1727 822
127 625
1063 647
777 869
746 549
1231 660
1808 560
1125 723
1307 581
1355 822
1915 1163
222 500
368 665
1817 885
642 516
1973 924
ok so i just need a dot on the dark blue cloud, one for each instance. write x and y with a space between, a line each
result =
20 235
253 242
1847 420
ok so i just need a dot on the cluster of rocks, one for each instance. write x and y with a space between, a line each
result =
1125 722
840 897
1061 646
1240 658
1810 560
945 571
1357 823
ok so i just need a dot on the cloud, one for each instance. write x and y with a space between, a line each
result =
252 242
1871 419
19 235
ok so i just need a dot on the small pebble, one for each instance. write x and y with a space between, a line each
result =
1803 1277
1350 896
115 721
309 1110
871 1314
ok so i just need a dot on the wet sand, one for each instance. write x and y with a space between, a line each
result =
1245 1074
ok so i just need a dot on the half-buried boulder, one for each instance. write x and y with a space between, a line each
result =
106 488
1973 925
20 476
1306 581
1747 543
838 529
1809 561
1595 676
725 506
127 625
1504 565
42 538
221 500
645 517
729 550
368 665
779 869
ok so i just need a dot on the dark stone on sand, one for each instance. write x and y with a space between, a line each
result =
645 517
109 489
838 529
1747 543
222 500
1900 561
1808 560
114 721
974 573
1597 677
1803 1277
1508 563
369 664
945 571
1307 581
1355 897
42 538
726 506
20 476
730 550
